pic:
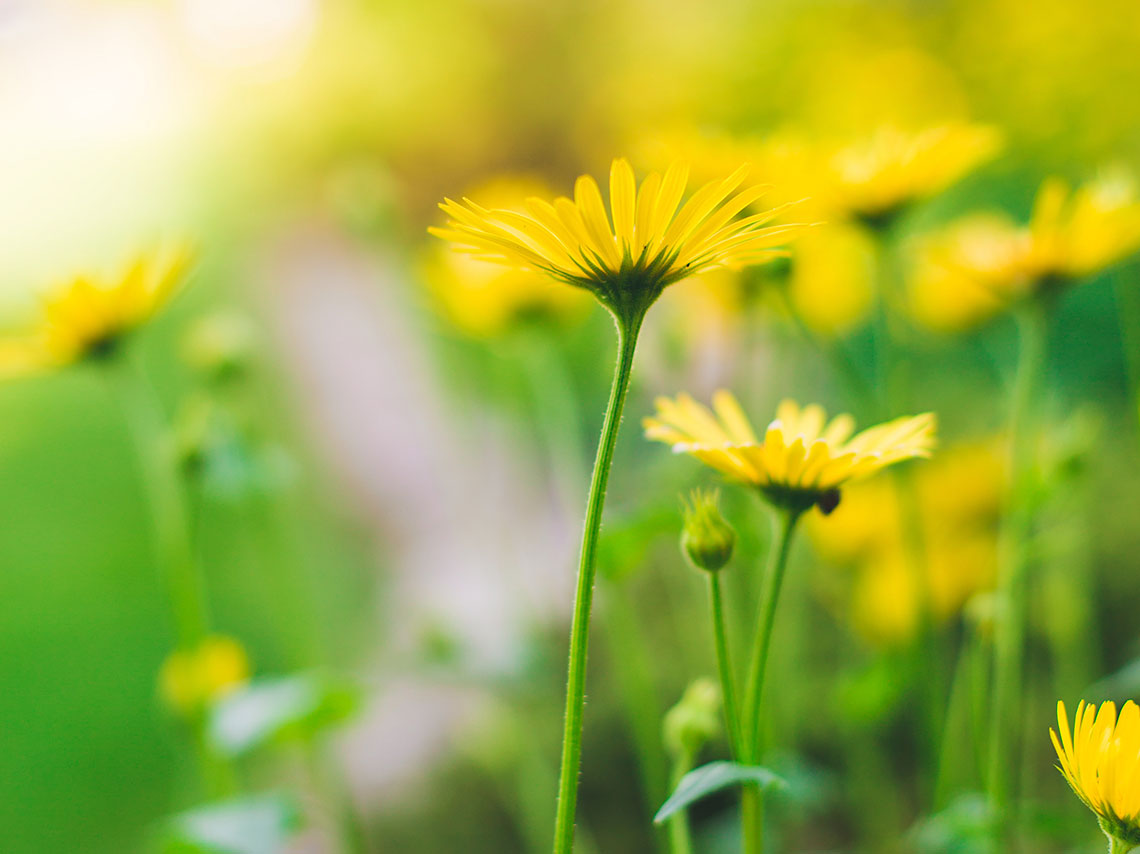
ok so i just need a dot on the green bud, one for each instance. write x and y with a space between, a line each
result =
706 538
220 345
694 720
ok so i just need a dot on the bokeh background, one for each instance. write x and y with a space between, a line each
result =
393 489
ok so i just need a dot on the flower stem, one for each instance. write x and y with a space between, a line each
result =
1009 638
680 835
724 667
1118 846
752 815
166 500
580 625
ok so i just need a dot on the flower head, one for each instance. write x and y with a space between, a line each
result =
88 317
982 263
648 240
1100 759
803 458
876 177
192 679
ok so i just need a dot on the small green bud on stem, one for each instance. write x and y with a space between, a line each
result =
706 538
694 720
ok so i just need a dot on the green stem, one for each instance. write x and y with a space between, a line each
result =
580 625
752 814
724 668
166 499
167 503
680 836
1118 846
1009 638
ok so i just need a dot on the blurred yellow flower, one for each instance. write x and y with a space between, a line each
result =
982 263
803 458
1100 759
88 317
653 242
192 679
484 299
957 500
832 272
875 177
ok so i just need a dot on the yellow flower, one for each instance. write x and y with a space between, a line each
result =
966 273
876 177
484 299
982 263
1100 759
648 241
803 459
192 679
957 502
832 273
1075 233
88 317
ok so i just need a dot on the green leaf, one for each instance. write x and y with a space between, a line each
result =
286 708
255 825
712 778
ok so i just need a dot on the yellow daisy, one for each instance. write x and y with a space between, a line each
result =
88 317
876 177
1100 759
192 679
648 240
984 262
803 458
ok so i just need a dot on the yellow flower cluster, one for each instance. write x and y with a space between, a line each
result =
89 316
957 502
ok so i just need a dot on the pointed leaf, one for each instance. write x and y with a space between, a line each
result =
274 710
255 825
711 778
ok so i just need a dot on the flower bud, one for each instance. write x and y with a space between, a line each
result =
191 679
706 538
694 720
219 345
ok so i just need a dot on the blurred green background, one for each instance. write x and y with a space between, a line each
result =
400 497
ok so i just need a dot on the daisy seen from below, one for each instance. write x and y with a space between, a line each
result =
802 461
90 315
1100 759
803 458
649 239
985 262
875 178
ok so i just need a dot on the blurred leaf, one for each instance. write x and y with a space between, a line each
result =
964 827
712 778
275 710
256 825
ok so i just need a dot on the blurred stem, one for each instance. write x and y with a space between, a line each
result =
956 728
752 814
1009 638
680 837
1128 313
1117 846
856 387
724 667
328 779
166 500
633 664
587 564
